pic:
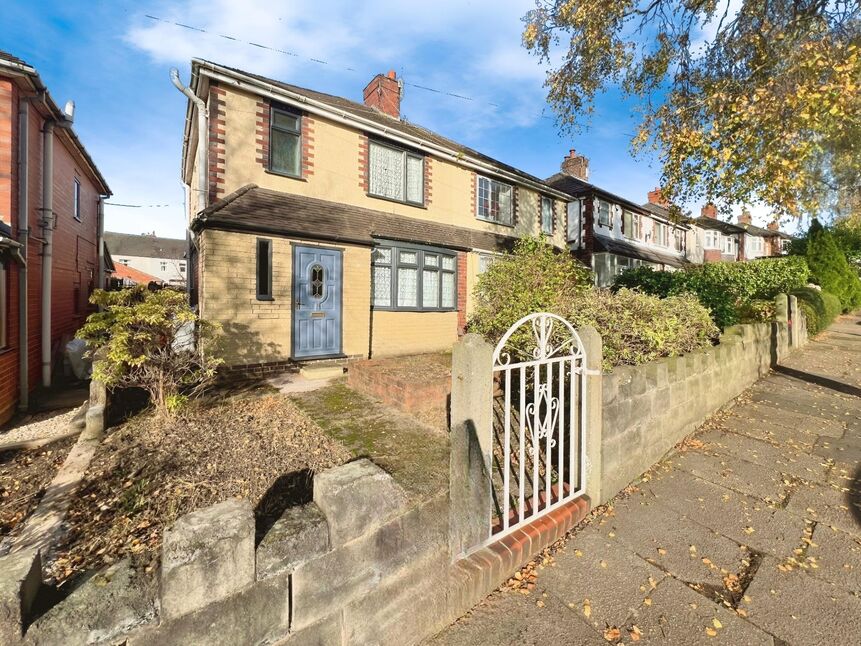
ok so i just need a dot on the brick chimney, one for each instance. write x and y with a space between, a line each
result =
709 210
384 94
745 217
774 225
657 197
576 166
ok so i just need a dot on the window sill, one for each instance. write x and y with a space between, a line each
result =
391 199
265 298
496 222
298 178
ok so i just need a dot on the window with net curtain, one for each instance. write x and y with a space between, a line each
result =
493 201
285 134
395 174
414 278
546 215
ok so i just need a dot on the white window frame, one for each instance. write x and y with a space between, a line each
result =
407 155
547 226
574 211
678 239
712 239
601 219
634 231
730 245
421 266
488 216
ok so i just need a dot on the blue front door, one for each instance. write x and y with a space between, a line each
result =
316 302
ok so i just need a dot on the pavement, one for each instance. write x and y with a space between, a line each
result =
748 533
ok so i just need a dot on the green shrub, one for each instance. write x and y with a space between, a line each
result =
635 327
152 340
820 308
757 311
727 289
830 269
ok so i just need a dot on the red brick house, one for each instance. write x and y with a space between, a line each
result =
51 223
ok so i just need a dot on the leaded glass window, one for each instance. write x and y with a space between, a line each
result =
408 277
494 201
395 174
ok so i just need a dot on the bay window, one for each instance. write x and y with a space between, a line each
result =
414 278
546 215
285 133
395 174
494 201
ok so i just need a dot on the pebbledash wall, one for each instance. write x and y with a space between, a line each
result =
363 564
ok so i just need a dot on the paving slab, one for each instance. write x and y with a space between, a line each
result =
781 458
765 483
793 420
512 619
835 556
827 504
601 575
801 609
678 615
686 550
756 427
746 520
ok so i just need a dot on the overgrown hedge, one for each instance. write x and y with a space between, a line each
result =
635 327
732 291
820 308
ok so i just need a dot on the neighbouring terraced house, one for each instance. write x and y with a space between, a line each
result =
51 223
325 228
156 259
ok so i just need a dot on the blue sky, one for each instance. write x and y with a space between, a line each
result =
114 62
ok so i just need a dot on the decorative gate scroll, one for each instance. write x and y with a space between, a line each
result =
539 418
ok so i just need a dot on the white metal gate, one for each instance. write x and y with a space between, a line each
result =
539 419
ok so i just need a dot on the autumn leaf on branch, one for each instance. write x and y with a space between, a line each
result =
753 103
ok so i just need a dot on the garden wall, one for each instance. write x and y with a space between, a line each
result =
648 409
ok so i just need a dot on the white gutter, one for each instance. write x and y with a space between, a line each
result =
47 220
202 132
23 235
347 118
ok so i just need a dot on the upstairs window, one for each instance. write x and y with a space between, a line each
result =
395 174
632 225
547 215
494 201
662 234
603 213
678 240
711 239
413 278
76 200
285 135
730 245
264 269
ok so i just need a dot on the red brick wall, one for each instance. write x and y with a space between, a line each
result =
363 162
217 128
461 293
75 258
8 207
711 255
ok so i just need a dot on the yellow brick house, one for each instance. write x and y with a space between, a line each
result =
326 228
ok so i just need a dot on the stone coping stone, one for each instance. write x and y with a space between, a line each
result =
20 580
299 535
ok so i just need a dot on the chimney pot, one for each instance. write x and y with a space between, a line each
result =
745 217
576 165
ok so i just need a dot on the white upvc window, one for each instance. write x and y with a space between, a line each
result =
678 239
632 225
730 245
395 174
494 201
546 215
754 245
711 239
485 260
574 224
661 234
603 213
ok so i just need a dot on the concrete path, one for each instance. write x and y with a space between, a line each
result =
749 534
